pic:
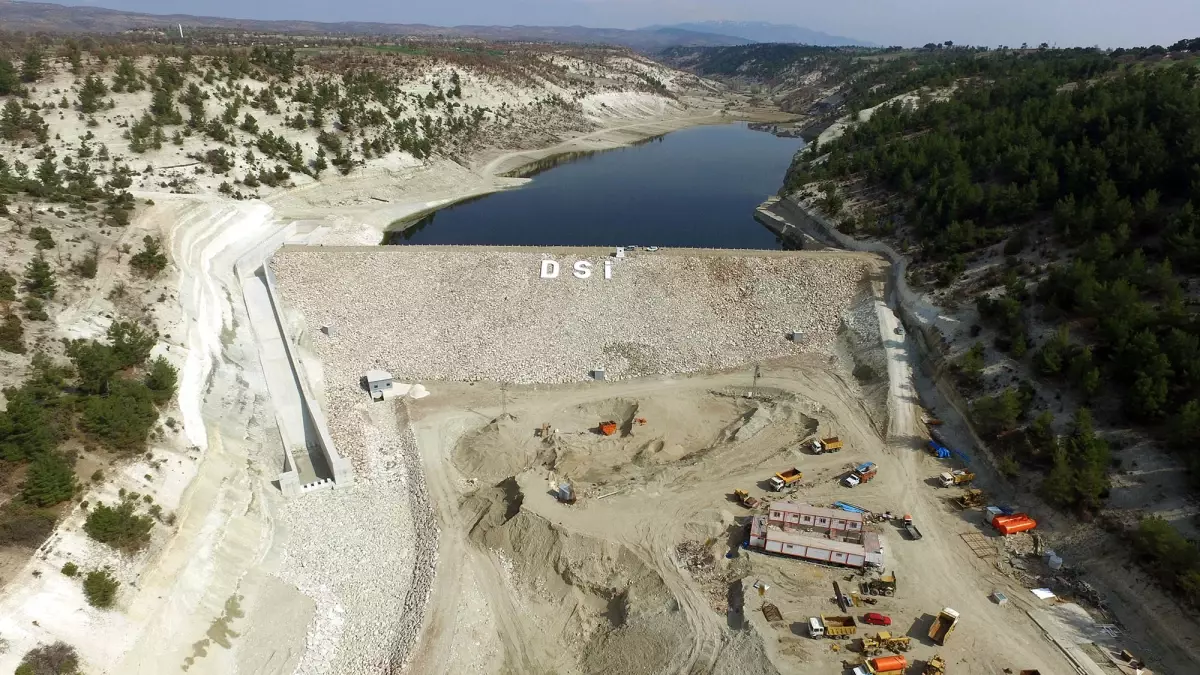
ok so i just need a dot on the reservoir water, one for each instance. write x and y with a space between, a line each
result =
692 188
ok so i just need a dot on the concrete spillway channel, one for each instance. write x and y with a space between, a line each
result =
310 459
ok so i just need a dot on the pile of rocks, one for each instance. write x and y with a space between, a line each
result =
478 314
366 554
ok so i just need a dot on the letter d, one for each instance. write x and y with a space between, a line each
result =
549 269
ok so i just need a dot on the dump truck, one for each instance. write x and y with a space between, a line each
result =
913 532
745 499
884 585
823 445
935 666
943 625
841 627
956 477
861 474
785 478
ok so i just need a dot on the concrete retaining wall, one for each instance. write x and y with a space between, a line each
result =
343 472
253 264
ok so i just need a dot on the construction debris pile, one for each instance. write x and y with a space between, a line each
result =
433 314
695 557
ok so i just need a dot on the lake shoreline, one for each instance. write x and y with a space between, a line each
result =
697 189
500 168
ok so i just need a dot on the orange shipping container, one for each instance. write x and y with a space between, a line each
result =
1018 525
887 664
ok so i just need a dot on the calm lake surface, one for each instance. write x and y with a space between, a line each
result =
692 188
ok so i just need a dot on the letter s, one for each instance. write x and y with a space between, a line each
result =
549 269
583 269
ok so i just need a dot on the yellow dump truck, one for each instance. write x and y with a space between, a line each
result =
823 445
784 479
956 477
943 625
841 627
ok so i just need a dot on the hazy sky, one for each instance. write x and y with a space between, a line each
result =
906 22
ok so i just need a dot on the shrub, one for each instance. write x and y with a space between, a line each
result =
24 526
162 380
1170 555
131 344
51 479
12 335
150 261
119 526
87 267
39 278
35 309
42 236
58 658
70 569
123 418
864 373
8 286
100 589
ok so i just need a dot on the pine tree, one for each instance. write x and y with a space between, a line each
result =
12 335
39 278
51 479
31 65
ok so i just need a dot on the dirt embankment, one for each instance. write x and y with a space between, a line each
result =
654 435
598 604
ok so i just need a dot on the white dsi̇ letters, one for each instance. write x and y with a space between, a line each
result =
580 269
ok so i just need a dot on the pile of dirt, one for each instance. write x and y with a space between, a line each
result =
502 447
860 345
596 601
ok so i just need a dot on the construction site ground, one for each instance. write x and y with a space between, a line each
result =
635 577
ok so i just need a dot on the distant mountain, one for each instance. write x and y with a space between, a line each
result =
51 18
761 31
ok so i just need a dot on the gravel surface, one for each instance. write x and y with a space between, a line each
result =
479 314
365 554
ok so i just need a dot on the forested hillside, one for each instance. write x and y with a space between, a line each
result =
1082 168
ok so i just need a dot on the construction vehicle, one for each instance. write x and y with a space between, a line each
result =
823 445
935 666
783 479
884 585
886 665
943 625
745 499
970 499
608 428
862 473
956 477
913 532
884 641
771 612
840 627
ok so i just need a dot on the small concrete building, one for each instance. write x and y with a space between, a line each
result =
379 382
833 523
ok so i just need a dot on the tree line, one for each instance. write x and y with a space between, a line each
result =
1083 169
